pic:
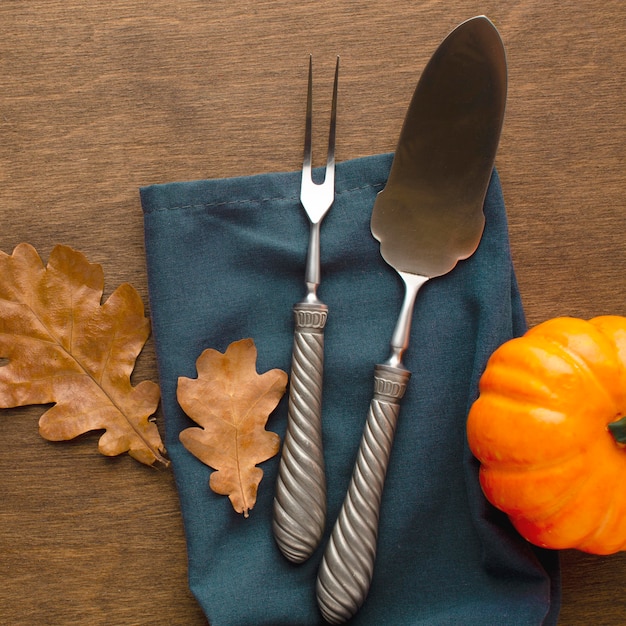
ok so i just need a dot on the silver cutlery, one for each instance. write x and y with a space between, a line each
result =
300 497
427 218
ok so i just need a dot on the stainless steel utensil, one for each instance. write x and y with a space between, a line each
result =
428 217
300 498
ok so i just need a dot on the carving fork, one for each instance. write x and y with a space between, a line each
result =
300 498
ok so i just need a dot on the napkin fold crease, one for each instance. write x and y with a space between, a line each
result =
225 260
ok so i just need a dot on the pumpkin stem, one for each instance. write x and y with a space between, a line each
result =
618 430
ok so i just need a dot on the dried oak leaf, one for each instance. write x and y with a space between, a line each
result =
66 348
232 403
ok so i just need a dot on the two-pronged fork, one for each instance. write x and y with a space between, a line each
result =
300 498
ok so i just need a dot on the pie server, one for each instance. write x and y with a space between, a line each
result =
427 218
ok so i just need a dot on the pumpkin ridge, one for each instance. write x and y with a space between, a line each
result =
585 368
597 530
512 467
542 512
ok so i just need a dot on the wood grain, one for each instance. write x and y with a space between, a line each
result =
97 99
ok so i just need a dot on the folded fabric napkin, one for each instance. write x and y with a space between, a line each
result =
225 261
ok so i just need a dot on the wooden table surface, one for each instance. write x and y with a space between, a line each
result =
99 98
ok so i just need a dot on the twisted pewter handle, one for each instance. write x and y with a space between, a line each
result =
347 566
300 498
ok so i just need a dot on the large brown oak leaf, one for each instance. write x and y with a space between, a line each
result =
64 347
232 403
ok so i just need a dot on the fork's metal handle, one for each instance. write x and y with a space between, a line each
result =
347 567
300 498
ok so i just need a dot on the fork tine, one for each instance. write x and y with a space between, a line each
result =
330 159
306 162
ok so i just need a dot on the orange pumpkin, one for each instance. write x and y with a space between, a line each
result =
549 429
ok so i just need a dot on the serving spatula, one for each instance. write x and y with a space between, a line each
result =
428 217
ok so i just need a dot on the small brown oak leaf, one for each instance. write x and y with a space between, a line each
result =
63 347
232 403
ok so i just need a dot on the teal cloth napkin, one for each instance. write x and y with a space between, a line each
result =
225 261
